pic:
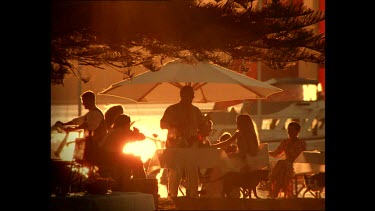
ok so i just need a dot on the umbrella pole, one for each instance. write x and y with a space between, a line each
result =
79 90
259 104
79 93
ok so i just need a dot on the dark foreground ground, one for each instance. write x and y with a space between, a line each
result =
183 203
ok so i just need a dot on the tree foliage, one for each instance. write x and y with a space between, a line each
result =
125 34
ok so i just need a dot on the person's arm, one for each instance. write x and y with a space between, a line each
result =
165 122
79 127
169 122
226 142
79 121
279 150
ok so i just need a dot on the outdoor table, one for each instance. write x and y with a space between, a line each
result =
308 162
173 158
202 157
207 158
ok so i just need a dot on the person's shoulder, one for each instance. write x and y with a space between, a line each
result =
172 106
96 111
196 107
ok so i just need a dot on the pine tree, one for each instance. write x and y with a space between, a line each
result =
125 34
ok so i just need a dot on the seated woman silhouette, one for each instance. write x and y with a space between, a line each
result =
246 138
111 114
247 141
123 166
282 174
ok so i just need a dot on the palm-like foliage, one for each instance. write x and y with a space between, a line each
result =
125 34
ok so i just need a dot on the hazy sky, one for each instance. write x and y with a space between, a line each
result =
100 80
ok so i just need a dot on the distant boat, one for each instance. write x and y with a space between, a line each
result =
275 112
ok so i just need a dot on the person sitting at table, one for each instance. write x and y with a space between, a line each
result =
215 189
204 131
123 166
228 149
282 174
247 141
111 114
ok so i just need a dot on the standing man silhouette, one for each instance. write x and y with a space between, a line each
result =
182 121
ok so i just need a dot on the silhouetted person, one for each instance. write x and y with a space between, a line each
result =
93 125
246 138
228 149
182 121
282 174
204 131
247 141
120 166
111 114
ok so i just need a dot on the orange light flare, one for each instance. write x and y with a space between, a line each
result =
162 189
144 149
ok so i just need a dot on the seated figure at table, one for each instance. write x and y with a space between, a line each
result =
204 131
215 189
247 141
111 114
282 173
182 121
123 166
232 148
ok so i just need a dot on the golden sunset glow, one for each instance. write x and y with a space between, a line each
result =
162 189
144 149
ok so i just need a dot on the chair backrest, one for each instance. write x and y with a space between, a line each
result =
261 160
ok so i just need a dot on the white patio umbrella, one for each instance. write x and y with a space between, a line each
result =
211 83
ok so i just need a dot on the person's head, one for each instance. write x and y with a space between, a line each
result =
122 121
206 127
187 94
111 114
88 99
293 129
246 124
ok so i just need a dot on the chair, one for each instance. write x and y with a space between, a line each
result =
258 162
307 164
314 184
79 169
67 175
